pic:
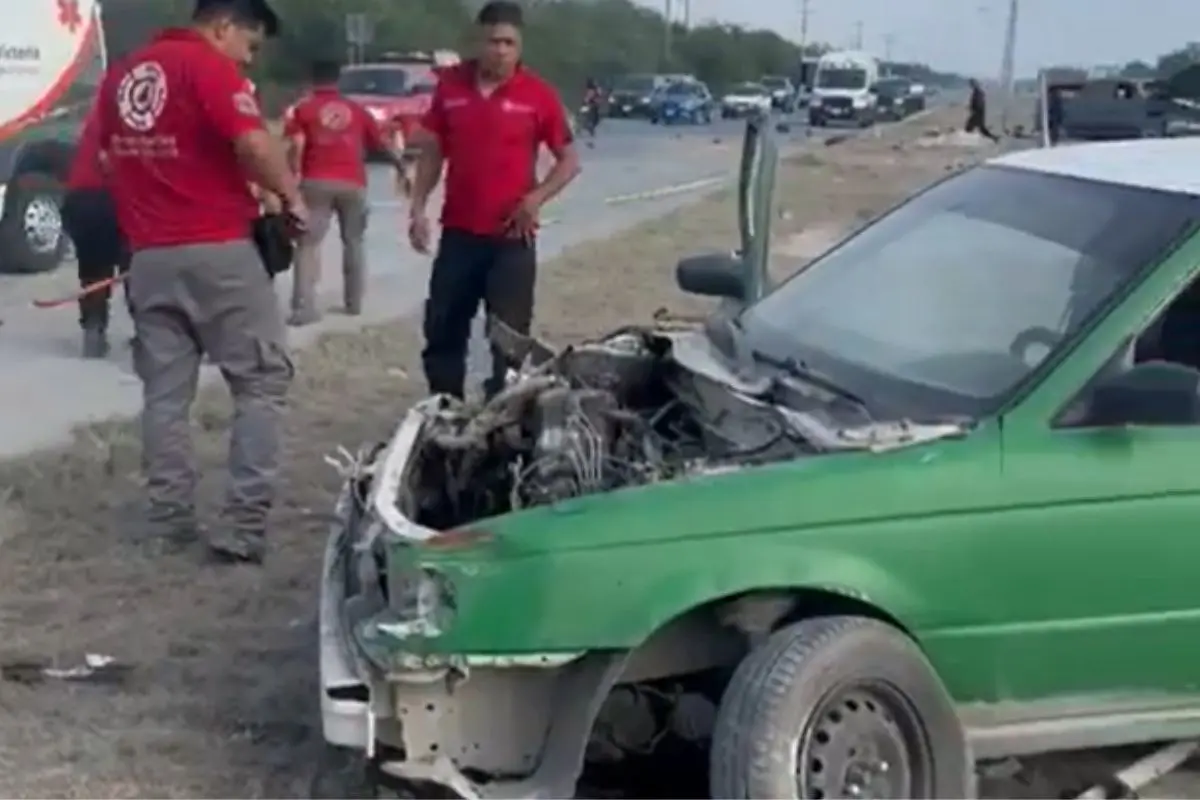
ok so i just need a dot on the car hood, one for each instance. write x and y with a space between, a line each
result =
934 474
711 498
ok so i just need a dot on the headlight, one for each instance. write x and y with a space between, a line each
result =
423 598
861 102
815 102
378 113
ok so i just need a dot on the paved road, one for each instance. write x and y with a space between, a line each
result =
633 170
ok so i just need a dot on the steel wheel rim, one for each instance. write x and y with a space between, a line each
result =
43 225
864 740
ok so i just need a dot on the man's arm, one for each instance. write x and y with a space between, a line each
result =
428 142
555 133
233 111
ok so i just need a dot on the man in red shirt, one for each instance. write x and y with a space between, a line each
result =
90 220
330 137
184 137
487 122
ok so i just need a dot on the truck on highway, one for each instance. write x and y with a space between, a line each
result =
1125 108
52 59
842 89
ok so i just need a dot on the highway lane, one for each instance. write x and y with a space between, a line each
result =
633 171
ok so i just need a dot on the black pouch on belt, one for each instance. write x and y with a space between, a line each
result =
273 238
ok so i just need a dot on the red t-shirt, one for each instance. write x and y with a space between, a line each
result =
491 143
168 118
85 172
337 133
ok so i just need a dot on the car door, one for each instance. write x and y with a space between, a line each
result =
1096 557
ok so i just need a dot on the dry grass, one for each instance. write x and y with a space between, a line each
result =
220 698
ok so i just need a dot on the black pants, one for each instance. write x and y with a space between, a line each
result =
976 122
470 268
90 220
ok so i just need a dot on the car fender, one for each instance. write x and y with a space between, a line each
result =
48 156
852 575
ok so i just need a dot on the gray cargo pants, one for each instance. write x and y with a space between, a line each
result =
327 199
213 299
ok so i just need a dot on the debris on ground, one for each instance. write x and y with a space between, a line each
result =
94 668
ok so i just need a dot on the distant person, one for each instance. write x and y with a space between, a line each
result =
592 99
330 137
487 121
1054 114
90 219
977 112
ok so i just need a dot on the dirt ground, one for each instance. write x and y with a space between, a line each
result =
218 699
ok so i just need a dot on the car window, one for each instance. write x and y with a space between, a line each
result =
841 78
388 81
936 294
749 88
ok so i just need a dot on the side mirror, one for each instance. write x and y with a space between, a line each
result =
1151 393
712 275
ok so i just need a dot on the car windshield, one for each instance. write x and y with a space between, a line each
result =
749 88
775 83
389 81
634 83
891 88
679 89
924 310
841 78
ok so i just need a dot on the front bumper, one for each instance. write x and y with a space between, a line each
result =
502 725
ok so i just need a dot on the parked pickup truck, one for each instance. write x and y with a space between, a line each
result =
1122 108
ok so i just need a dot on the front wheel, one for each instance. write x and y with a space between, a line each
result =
838 707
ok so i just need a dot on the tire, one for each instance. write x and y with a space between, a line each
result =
789 690
32 238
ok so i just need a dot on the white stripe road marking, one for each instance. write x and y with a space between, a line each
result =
664 191
616 199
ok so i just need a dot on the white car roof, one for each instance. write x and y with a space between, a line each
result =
1169 165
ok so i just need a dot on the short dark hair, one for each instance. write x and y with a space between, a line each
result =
242 12
325 70
501 12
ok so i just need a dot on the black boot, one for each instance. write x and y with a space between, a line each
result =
95 342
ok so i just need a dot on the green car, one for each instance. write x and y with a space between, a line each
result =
860 533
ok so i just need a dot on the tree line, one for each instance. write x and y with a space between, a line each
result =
566 40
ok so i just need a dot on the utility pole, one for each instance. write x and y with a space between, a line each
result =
687 15
889 41
666 53
858 35
804 28
1007 63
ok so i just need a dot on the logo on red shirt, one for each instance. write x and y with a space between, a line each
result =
68 15
142 95
335 116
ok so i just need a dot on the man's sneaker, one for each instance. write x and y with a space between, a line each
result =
168 532
95 343
303 317
237 546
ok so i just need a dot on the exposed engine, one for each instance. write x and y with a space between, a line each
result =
593 418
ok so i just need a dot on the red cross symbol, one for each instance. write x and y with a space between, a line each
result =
68 15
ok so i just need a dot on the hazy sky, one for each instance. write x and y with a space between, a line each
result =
968 35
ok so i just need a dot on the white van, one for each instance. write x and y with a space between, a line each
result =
842 89
51 63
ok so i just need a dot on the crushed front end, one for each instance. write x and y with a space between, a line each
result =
456 657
